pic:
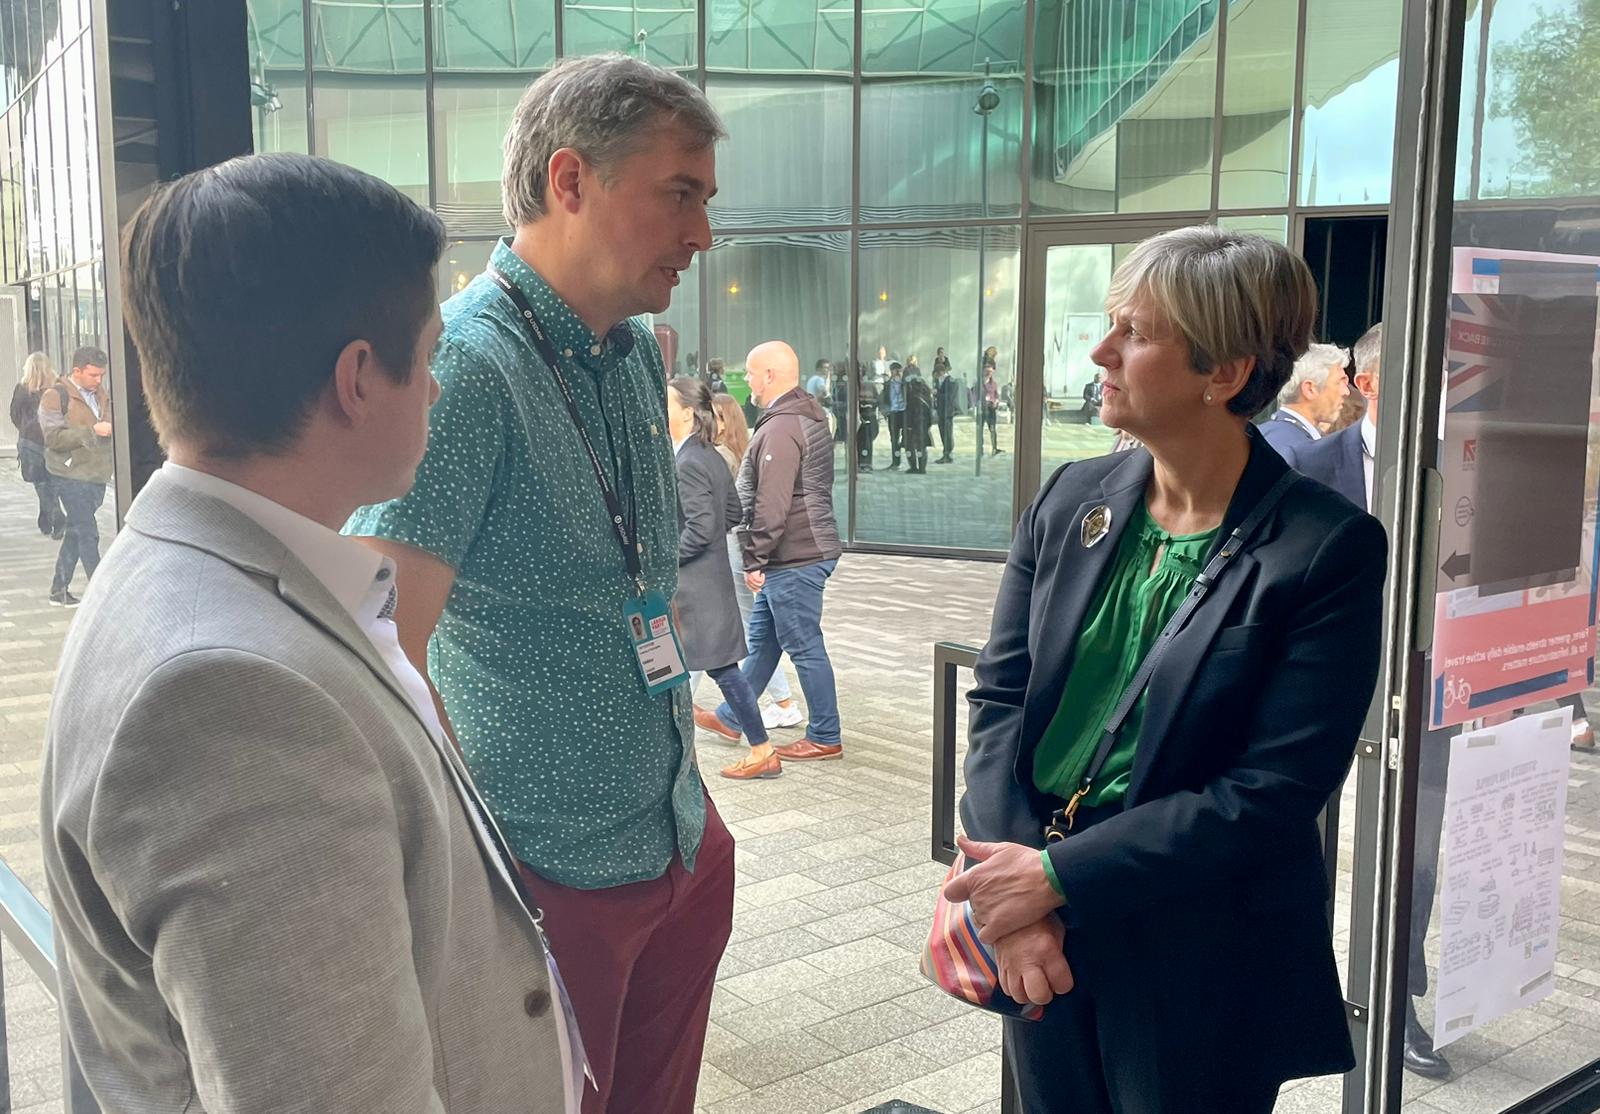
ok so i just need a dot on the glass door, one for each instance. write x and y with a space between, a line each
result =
1487 957
1069 274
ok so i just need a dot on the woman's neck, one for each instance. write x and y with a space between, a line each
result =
1195 477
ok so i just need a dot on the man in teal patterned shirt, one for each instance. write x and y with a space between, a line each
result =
515 574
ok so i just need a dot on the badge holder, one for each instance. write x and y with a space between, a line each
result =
655 642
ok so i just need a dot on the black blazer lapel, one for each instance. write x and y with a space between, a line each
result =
1170 683
1075 575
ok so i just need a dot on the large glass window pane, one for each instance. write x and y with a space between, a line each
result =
1272 226
376 124
370 102
677 330
659 31
1258 102
10 198
1523 131
463 261
790 288
471 115
1352 69
53 213
10 54
781 36
941 109
1077 278
276 38
920 292
84 161
493 35
1124 105
787 158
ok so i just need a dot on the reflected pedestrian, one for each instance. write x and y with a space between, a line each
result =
37 377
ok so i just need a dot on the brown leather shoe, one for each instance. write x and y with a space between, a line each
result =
710 721
749 768
807 751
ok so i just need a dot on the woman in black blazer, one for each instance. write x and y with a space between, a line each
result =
1178 935
707 609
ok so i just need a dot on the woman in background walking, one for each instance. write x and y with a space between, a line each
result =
707 612
37 378
733 437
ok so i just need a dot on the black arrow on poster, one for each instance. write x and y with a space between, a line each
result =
1456 565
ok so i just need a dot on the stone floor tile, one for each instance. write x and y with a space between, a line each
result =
870 1027
778 1016
716 1085
759 1063
865 989
871 1070
961 1085
973 1032
858 955
789 977
869 920
797 1095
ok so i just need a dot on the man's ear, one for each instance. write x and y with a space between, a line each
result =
351 389
564 173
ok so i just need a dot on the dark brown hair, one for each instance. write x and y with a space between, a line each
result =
246 280
694 395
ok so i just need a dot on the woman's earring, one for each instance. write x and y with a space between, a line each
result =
1208 396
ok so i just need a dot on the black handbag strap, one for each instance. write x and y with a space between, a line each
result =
1202 585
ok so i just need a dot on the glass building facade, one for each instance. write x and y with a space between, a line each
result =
52 282
888 163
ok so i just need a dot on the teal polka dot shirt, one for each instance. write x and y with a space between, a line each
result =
592 779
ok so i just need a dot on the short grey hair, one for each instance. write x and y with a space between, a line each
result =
602 106
1369 348
1231 295
1313 367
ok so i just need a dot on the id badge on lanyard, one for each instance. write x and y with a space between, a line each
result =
647 616
655 642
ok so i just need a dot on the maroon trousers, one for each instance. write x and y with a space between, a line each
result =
640 962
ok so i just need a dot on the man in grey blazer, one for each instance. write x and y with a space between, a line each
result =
275 887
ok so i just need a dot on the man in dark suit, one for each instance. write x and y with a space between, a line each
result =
945 403
1311 400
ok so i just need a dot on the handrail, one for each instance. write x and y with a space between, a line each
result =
947 658
25 925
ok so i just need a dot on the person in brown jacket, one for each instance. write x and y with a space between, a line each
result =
75 418
789 540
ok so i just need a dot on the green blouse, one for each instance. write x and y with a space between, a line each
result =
1129 611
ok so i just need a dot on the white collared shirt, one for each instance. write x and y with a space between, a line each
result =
1309 427
1369 452
678 443
363 582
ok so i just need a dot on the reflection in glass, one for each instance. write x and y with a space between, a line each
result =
276 39
780 36
677 330
661 31
493 35
919 292
787 158
1272 226
1125 104
941 109
792 288
1522 131
1352 71
463 261
1258 103
375 124
471 115
1077 278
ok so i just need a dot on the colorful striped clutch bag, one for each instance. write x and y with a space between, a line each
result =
955 960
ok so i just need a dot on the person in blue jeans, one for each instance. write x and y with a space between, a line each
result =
75 421
790 543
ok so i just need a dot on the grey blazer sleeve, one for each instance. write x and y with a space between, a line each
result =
246 838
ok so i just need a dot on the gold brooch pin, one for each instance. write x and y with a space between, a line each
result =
1096 525
654 432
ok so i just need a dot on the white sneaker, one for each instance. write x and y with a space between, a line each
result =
776 715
